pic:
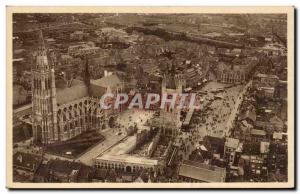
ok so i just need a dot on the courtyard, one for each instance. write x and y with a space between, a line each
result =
113 136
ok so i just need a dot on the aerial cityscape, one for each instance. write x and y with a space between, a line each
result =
149 98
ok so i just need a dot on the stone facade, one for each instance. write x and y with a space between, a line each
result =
57 116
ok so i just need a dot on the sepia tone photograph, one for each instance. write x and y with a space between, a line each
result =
150 97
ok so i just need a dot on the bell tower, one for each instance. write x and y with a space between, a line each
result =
171 86
44 106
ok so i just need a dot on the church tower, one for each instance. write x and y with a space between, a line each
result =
44 106
172 84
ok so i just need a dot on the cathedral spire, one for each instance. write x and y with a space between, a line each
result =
41 43
44 104
41 57
173 69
